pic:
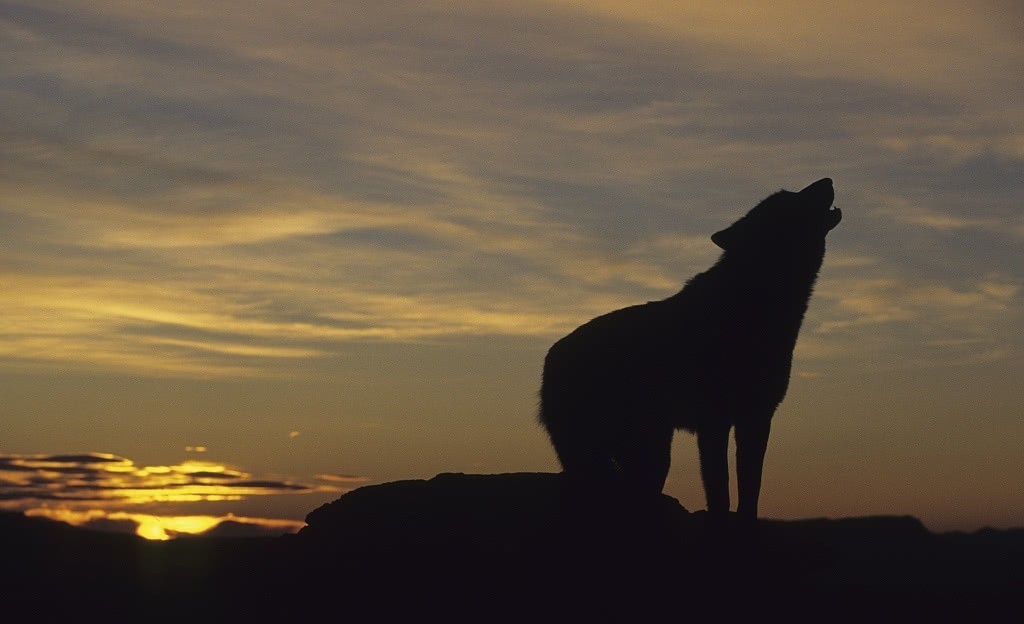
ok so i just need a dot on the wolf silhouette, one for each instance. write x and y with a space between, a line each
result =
715 356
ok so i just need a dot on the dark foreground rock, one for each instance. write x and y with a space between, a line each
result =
517 546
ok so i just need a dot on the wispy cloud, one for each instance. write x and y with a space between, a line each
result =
92 478
215 197
899 322
902 44
341 478
903 211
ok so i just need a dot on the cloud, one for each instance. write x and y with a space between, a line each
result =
908 43
944 222
77 481
891 300
900 322
107 492
342 478
247 194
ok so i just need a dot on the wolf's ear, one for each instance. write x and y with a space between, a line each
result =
725 238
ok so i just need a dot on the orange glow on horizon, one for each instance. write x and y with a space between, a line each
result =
160 528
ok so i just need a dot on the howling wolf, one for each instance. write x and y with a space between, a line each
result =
714 356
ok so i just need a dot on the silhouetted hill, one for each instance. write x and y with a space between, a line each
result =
517 546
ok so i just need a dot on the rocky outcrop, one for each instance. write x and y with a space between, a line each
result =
490 514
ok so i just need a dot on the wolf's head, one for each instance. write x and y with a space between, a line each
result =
784 220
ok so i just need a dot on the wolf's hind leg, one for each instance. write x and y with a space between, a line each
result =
584 458
644 458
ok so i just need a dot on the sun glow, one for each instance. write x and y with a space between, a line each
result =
160 528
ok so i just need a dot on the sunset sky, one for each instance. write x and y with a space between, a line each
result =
254 254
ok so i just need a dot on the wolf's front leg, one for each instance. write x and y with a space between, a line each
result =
713 446
751 444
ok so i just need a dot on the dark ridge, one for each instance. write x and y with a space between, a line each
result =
520 546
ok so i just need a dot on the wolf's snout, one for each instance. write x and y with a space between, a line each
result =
821 191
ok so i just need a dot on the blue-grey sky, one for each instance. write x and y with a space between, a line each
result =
338 237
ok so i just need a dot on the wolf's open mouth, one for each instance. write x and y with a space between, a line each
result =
835 215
